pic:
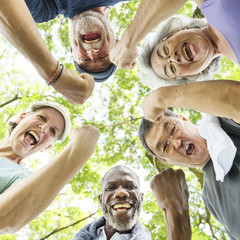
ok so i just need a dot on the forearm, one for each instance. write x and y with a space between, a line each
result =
25 200
18 26
149 15
218 98
178 224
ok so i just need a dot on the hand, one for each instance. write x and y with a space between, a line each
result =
75 88
83 141
151 111
122 56
170 190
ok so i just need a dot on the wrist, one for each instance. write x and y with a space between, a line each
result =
128 40
47 71
178 224
162 97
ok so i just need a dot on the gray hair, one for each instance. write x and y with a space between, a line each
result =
145 126
149 77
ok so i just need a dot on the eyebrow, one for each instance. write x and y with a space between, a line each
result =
159 144
165 67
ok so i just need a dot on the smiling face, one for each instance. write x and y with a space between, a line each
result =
185 53
186 147
36 131
91 38
121 199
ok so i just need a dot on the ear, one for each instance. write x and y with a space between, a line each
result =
182 117
100 199
46 148
71 49
21 117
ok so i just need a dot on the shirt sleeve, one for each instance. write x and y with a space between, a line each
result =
11 172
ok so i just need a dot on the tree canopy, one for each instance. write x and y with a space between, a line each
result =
115 109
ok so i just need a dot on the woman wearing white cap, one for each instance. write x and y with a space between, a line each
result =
23 194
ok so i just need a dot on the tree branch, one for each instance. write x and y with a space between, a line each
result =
10 101
67 226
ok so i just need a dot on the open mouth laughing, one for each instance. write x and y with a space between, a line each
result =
188 51
91 37
190 149
32 137
122 207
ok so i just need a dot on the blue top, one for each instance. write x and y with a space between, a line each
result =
224 16
10 172
45 10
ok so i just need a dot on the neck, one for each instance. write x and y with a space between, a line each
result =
212 36
103 10
6 151
110 231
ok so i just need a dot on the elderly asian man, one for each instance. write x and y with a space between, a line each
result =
214 146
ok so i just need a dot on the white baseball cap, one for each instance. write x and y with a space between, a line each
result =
61 109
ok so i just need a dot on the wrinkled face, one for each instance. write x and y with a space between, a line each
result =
121 199
92 36
36 131
186 53
186 147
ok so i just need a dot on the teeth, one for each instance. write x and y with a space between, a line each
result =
185 53
121 209
34 135
92 41
122 205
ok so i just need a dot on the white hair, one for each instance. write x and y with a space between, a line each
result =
177 22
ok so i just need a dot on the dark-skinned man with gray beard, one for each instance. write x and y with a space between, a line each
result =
121 203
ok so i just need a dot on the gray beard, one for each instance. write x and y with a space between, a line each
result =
122 226
91 21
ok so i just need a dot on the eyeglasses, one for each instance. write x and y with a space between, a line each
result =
166 145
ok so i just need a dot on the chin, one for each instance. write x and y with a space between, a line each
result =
123 223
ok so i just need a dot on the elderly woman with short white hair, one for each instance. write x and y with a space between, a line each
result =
183 50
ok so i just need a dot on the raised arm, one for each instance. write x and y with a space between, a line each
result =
171 192
27 198
19 28
149 15
219 98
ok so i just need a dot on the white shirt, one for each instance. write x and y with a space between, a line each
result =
101 235
220 146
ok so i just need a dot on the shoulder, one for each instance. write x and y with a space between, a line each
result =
199 2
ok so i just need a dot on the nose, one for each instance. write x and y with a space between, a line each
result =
92 54
44 128
173 57
121 192
176 142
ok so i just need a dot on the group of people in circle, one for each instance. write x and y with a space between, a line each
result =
177 61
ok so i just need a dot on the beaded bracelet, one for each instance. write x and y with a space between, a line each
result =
54 81
50 80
